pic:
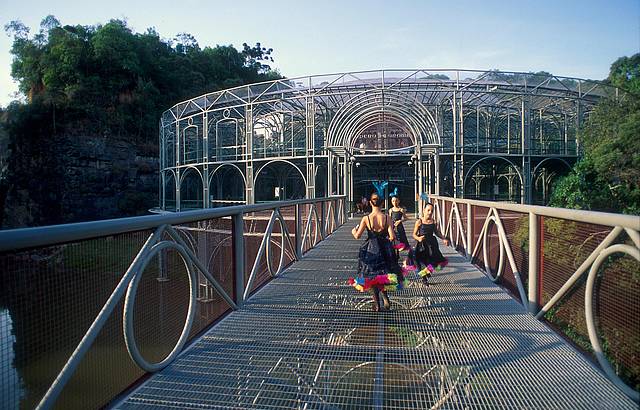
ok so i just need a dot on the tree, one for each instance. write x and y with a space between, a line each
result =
101 80
255 55
607 178
625 73
120 81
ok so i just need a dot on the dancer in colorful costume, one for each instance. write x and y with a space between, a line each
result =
427 253
378 270
398 215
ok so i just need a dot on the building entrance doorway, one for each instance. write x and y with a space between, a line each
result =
398 170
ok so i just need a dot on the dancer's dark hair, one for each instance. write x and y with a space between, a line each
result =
375 201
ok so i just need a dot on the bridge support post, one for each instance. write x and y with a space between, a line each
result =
298 222
238 257
534 249
323 219
469 249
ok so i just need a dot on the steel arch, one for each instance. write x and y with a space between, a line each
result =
255 178
475 164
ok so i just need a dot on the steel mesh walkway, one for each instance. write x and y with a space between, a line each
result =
307 340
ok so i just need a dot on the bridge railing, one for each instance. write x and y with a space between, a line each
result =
576 270
87 309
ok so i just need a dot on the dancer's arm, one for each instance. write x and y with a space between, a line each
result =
415 231
359 229
439 235
390 230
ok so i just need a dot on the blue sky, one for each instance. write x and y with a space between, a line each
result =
568 38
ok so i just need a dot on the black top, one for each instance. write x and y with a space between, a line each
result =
396 215
427 229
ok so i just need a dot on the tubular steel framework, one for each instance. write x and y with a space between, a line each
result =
574 269
88 309
462 133
103 279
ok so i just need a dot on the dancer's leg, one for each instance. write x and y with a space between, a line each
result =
376 300
385 300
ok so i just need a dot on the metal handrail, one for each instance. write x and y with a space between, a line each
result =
578 215
23 238
29 238
630 224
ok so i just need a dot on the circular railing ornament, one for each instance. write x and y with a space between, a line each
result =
129 306
501 246
591 325
282 247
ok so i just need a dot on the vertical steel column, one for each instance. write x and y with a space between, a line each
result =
205 160
477 129
178 163
238 257
310 146
348 180
163 159
429 176
329 173
436 162
454 120
525 188
508 132
436 168
419 171
459 183
534 303
250 193
163 181
566 136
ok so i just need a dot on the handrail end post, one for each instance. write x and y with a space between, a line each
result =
298 237
533 274
238 258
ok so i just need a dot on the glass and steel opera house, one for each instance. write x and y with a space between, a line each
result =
477 134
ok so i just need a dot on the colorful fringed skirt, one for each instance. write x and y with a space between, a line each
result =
378 269
387 283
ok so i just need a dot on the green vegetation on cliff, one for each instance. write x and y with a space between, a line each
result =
108 79
79 148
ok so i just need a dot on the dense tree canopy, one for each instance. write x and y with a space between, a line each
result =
108 79
607 178
100 86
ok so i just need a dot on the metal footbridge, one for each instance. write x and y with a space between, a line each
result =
294 334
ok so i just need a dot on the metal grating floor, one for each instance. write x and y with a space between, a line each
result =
307 340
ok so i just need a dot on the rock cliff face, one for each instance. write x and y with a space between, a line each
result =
79 178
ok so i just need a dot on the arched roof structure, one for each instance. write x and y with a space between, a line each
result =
441 121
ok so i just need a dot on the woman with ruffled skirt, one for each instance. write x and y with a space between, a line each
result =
378 270
427 253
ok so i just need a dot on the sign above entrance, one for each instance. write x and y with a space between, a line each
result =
382 138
